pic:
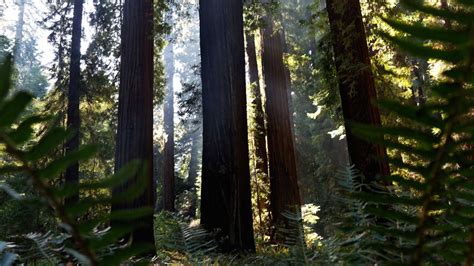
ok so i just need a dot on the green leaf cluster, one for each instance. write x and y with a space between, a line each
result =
90 239
428 218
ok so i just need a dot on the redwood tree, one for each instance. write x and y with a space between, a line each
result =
356 85
284 195
259 116
73 112
259 133
135 111
225 196
168 178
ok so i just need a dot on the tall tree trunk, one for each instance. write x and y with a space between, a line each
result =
74 95
356 86
259 134
225 196
283 175
135 111
193 172
19 30
169 181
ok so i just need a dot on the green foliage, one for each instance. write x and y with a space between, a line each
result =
428 218
348 243
88 242
174 235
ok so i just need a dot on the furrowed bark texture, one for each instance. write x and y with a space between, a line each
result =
74 95
225 196
356 85
281 151
135 114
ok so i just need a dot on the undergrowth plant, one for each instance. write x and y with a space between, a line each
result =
87 241
431 215
187 242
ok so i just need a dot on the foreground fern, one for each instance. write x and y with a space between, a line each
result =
175 235
89 245
431 219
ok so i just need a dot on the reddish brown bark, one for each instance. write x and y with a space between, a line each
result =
73 112
225 196
135 113
356 85
281 152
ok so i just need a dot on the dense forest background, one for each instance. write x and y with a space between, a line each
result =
301 132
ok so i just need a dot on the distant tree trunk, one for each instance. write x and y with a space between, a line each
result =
193 172
284 189
19 30
225 196
169 182
259 134
74 95
356 86
135 111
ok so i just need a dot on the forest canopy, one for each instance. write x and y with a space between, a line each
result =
309 132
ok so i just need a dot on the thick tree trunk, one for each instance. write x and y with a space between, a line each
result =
169 181
74 94
283 175
225 196
135 112
356 85
259 134
193 172
19 30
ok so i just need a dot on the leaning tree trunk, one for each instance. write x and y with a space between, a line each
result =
168 179
283 174
356 85
73 113
135 112
225 196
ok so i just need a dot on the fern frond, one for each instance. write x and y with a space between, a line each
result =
88 246
430 218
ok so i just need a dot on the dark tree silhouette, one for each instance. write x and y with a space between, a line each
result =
225 196
356 85
281 151
74 96
135 113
